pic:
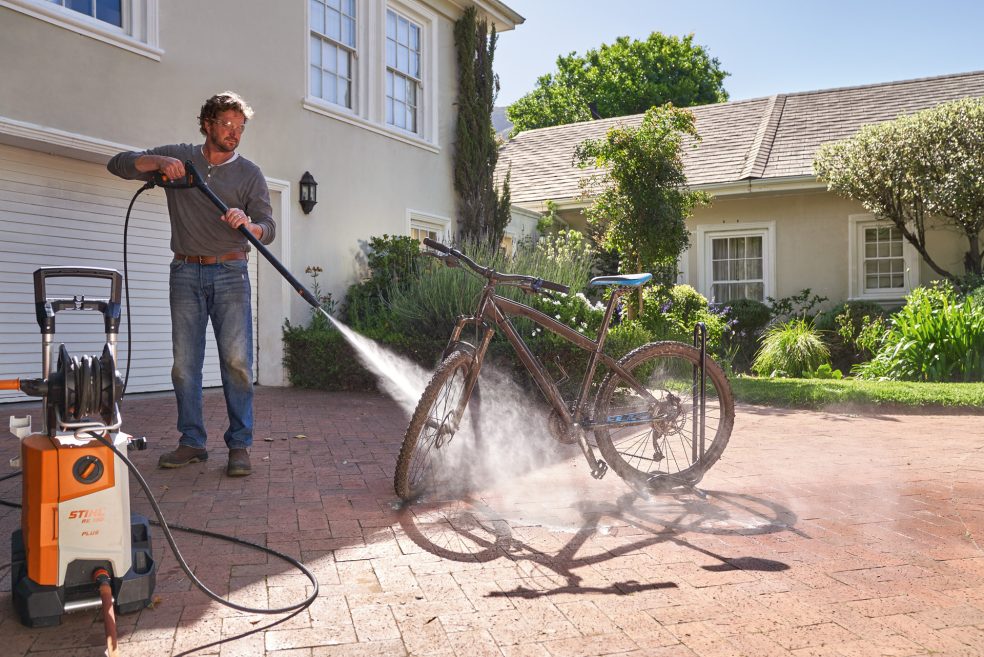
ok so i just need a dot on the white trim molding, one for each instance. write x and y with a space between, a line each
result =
58 142
855 261
428 219
139 34
707 232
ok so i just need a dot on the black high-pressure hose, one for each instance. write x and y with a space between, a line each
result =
166 529
195 180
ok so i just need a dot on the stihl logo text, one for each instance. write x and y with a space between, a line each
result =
87 516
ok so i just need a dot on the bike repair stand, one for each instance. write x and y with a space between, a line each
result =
700 399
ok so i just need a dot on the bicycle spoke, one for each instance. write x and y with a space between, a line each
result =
662 450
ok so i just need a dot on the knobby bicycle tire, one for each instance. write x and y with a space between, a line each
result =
428 437
659 455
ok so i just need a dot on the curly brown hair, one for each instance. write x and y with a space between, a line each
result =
221 102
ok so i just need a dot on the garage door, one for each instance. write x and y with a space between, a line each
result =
57 211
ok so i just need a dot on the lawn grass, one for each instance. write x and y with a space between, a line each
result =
824 393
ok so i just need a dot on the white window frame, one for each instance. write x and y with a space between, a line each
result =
400 76
429 222
513 238
764 229
369 94
857 223
354 73
139 33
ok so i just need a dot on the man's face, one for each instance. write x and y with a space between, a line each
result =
224 132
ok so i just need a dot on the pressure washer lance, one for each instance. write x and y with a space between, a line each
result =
194 179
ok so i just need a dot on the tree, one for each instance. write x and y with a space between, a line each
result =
916 168
626 77
640 196
482 211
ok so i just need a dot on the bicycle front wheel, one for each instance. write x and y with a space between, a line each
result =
655 442
427 455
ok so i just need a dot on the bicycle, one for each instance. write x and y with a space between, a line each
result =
661 416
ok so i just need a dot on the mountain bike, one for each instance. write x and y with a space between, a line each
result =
660 416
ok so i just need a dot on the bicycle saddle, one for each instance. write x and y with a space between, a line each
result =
628 280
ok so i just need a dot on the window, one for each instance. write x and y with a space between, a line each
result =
736 261
371 64
736 268
332 50
127 24
883 262
884 267
108 11
426 225
508 244
403 71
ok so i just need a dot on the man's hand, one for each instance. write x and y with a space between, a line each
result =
170 167
236 218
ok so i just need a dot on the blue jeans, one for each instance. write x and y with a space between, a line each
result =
220 293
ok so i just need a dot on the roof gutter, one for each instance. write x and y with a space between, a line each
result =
502 16
733 188
762 186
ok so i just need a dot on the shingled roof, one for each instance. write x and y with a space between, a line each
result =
759 139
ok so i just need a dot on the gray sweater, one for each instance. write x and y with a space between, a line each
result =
195 225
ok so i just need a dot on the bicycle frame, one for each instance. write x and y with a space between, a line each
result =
494 309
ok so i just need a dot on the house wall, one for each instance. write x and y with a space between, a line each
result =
811 241
97 98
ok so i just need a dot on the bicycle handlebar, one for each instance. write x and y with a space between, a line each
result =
533 283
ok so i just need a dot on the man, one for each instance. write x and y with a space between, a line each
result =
209 279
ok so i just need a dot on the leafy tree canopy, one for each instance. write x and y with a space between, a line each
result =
640 195
926 165
626 77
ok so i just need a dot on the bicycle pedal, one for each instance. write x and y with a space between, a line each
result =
600 469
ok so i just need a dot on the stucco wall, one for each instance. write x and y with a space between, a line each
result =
368 183
811 239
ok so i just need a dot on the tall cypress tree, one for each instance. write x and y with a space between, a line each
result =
482 211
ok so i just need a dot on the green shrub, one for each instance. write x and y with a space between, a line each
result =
826 321
790 349
393 264
935 336
847 329
825 371
747 318
427 307
322 359
800 305
672 313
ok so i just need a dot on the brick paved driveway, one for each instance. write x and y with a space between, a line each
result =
820 534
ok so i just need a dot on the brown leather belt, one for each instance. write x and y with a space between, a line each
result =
211 260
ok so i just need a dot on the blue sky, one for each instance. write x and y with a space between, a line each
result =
768 46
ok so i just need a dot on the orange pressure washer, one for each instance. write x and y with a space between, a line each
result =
78 537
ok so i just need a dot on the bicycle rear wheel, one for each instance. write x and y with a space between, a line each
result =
656 445
426 457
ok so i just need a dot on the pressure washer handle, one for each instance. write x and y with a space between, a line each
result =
45 308
200 183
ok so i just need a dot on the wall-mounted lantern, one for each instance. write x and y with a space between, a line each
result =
309 192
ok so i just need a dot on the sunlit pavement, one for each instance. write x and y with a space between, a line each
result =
818 534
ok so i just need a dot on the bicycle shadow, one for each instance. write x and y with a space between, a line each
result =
472 529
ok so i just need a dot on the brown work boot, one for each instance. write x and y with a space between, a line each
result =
238 463
182 456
